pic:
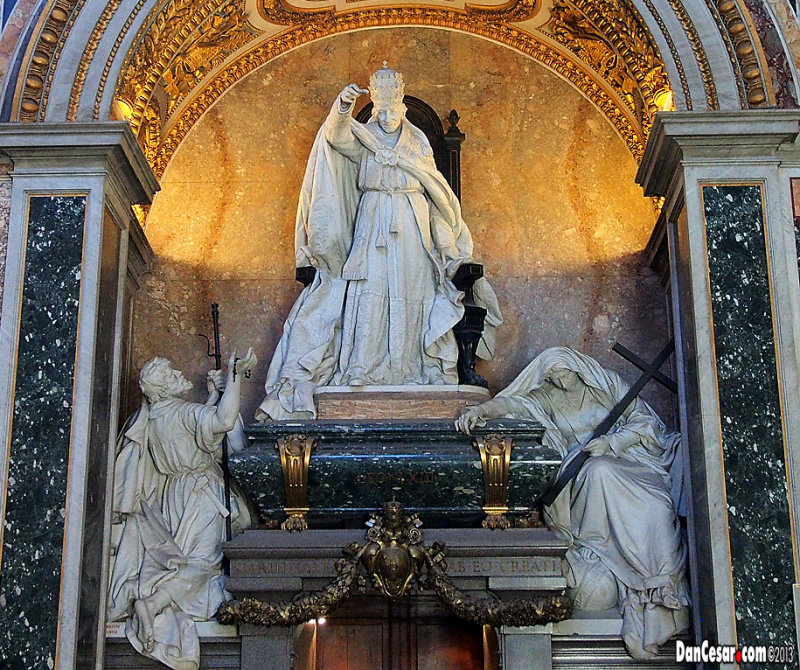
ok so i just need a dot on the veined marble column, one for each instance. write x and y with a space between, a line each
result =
72 241
727 220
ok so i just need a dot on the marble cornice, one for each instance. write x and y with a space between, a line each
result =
677 136
108 149
35 145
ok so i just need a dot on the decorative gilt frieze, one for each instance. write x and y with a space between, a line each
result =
284 13
188 53
610 37
511 12
225 31
156 46
579 75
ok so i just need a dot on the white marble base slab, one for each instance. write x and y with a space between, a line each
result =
205 629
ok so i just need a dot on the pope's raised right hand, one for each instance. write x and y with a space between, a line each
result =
350 94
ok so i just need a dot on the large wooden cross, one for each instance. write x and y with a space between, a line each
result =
649 371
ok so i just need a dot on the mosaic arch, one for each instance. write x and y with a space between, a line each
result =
162 63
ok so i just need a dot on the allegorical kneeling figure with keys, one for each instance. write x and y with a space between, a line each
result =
170 505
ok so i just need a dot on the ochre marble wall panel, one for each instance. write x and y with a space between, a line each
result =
547 185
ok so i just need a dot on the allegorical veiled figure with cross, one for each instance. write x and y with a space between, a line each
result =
384 231
619 513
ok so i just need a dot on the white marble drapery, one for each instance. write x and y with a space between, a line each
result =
619 511
384 231
168 498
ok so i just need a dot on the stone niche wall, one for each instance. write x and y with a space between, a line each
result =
547 187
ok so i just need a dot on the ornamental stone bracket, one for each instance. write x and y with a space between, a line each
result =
495 451
295 452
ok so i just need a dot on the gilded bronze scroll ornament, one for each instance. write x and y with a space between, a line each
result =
495 451
295 452
396 560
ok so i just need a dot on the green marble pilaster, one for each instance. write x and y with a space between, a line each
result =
70 227
724 178
36 488
757 501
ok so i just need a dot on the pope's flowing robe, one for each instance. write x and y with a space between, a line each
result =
621 507
384 231
169 504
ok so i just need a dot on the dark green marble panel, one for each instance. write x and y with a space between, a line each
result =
40 433
752 434
357 466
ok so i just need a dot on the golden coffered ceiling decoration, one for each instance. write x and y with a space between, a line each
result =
188 52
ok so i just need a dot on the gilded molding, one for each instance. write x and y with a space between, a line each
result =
728 42
578 75
43 61
283 13
745 52
712 101
104 77
88 54
741 51
675 56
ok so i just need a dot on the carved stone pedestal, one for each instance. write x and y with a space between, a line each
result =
416 631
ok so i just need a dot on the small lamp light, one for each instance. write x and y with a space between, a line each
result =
664 100
121 109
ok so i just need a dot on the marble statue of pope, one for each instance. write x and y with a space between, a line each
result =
384 231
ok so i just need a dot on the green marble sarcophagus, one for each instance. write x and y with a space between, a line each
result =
334 473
